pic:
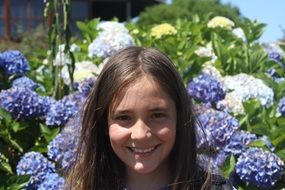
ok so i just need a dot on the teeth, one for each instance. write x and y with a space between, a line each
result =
141 150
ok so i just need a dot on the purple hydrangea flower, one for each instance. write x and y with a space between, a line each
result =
62 148
212 162
52 182
24 103
274 75
238 141
84 87
206 88
36 165
60 111
274 52
216 128
260 168
13 62
27 83
281 106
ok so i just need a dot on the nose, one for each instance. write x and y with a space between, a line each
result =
140 130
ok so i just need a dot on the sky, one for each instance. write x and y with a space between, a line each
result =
270 12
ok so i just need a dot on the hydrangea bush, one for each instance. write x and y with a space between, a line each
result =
237 86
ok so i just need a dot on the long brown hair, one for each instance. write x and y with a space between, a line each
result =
97 167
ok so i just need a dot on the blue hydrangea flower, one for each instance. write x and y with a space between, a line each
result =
85 86
206 88
13 62
36 165
24 103
238 142
27 83
274 75
52 182
281 107
60 111
212 162
215 129
260 168
274 52
62 148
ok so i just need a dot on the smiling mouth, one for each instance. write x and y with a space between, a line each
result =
142 150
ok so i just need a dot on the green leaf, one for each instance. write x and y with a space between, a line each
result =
49 133
4 164
6 116
257 143
279 140
16 126
251 106
281 154
17 182
228 166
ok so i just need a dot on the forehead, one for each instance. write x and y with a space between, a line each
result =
143 89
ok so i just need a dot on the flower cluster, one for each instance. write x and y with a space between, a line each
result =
221 22
281 107
62 148
27 83
274 52
206 52
206 88
24 103
211 70
113 37
215 129
60 111
61 57
83 70
231 103
274 75
52 182
84 87
246 87
13 62
239 33
238 142
259 167
36 165
162 30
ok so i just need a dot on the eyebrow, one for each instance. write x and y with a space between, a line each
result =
125 111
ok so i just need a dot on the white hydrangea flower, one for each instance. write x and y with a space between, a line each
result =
83 70
239 33
206 52
113 37
61 58
247 87
74 48
231 103
213 71
111 26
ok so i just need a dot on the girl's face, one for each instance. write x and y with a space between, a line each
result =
142 126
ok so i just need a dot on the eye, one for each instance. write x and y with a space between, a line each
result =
123 118
158 115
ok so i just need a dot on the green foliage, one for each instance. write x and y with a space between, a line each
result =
185 9
228 166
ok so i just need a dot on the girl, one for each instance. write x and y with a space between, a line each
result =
138 128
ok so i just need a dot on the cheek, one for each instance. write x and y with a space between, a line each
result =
117 134
167 133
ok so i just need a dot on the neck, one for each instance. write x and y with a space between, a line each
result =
155 180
